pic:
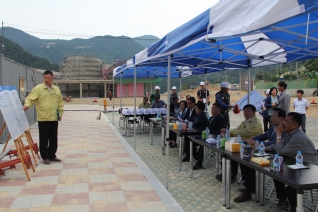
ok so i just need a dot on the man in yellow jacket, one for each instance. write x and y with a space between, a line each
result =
249 128
49 108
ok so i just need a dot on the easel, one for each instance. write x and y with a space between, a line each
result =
24 158
31 145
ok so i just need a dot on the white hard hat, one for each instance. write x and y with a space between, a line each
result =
225 85
267 91
202 83
174 88
157 88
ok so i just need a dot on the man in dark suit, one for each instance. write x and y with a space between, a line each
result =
191 116
215 123
191 111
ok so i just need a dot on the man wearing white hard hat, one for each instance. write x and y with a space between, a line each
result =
203 94
152 96
223 98
174 93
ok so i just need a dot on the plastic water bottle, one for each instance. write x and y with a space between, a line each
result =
242 149
299 159
238 139
276 163
256 145
218 140
261 148
190 125
207 130
227 134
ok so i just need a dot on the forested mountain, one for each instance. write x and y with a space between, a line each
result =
108 48
146 40
15 52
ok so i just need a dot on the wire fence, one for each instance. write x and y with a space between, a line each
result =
295 84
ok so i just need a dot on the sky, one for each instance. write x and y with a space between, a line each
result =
68 19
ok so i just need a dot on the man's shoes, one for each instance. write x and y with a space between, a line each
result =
244 196
197 166
219 177
173 145
56 159
283 204
244 189
47 162
292 209
186 159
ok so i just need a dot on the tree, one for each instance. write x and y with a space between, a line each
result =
311 65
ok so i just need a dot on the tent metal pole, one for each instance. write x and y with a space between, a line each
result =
121 88
206 96
113 100
249 85
135 83
180 89
167 122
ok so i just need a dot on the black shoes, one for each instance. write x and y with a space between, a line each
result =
219 178
244 189
243 197
283 204
186 159
197 165
56 159
173 145
47 162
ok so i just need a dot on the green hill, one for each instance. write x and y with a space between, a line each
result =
146 40
15 52
108 48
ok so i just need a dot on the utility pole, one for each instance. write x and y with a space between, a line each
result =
2 44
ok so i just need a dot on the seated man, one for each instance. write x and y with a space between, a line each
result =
278 115
144 104
174 105
296 140
249 128
215 123
158 103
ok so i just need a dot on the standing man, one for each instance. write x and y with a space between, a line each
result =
203 95
152 96
49 108
173 93
301 105
284 98
223 98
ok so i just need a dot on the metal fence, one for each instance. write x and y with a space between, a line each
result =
308 86
24 79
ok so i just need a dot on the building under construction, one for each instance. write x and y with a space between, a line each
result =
81 68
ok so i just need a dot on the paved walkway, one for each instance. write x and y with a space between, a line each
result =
99 172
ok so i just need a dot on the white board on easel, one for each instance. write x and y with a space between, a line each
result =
12 111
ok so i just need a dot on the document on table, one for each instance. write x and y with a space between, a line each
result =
297 166
260 155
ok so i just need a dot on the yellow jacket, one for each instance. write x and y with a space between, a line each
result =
248 130
46 102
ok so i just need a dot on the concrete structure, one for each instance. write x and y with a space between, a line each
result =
82 68
24 79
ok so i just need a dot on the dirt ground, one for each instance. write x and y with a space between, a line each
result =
235 96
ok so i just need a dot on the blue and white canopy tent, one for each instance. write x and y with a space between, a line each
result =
239 34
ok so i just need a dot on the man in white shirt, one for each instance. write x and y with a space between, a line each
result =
301 105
